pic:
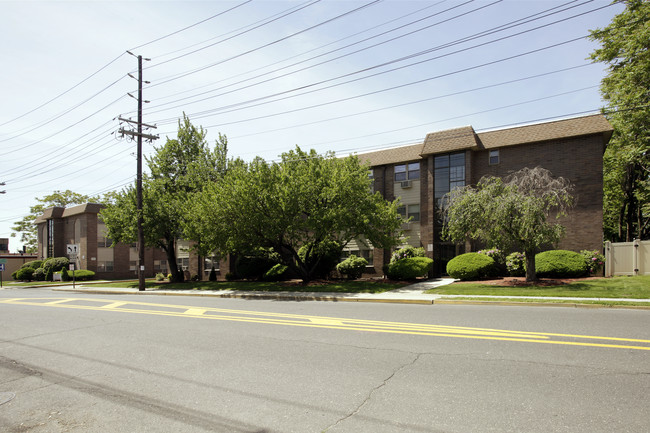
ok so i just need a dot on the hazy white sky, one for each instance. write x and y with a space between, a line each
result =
346 76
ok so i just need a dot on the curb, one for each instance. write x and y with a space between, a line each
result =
343 298
538 304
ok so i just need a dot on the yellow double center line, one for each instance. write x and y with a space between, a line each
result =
332 322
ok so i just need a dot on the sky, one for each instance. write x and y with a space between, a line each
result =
332 75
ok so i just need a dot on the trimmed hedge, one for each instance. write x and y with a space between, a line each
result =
560 264
34 264
82 275
23 274
352 267
471 266
409 268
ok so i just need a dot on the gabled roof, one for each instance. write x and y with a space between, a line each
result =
392 156
465 138
62 212
567 128
450 140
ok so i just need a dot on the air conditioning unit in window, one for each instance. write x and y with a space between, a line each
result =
406 184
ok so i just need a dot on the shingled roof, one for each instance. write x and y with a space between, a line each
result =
567 128
450 140
465 138
392 156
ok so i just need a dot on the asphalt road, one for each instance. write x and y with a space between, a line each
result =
102 363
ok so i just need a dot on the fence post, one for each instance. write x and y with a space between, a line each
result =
608 259
635 253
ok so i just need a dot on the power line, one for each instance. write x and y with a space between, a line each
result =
251 103
191 25
164 81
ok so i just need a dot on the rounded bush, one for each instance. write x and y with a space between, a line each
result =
34 264
39 274
65 276
55 264
560 264
471 266
23 274
213 275
409 268
516 264
352 267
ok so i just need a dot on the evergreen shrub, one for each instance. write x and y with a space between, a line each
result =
82 275
23 274
352 267
560 264
471 266
409 268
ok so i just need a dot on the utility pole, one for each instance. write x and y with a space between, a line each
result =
139 135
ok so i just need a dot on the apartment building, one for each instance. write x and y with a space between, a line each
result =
421 174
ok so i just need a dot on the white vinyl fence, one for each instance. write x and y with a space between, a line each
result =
627 258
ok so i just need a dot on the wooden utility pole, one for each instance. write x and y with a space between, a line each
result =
139 135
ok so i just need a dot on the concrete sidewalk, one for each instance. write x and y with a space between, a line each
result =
411 294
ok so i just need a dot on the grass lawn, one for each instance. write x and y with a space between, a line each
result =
615 287
336 286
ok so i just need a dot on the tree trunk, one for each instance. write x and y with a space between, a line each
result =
531 275
170 250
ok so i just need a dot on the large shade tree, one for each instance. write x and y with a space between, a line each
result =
510 214
179 171
26 227
306 199
626 89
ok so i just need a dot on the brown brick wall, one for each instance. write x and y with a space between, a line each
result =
580 161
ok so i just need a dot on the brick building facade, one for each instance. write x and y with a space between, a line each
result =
421 174
418 174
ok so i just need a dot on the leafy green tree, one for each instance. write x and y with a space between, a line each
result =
179 170
26 226
511 214
306 199
624 48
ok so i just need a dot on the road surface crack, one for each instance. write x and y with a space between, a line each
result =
374 390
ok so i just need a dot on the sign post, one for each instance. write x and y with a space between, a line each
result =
71 267
2 271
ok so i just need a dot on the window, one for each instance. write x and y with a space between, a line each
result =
208 262
401 211
400 173
183 263
50 238
494 157
449 174
160 265
104 266
410 171
414 212
102 240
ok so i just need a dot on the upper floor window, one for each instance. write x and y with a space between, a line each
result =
449 174
494 157
410 171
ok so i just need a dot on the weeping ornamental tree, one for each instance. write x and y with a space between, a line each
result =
510 214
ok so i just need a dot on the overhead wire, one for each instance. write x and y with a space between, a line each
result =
259 100
276 77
